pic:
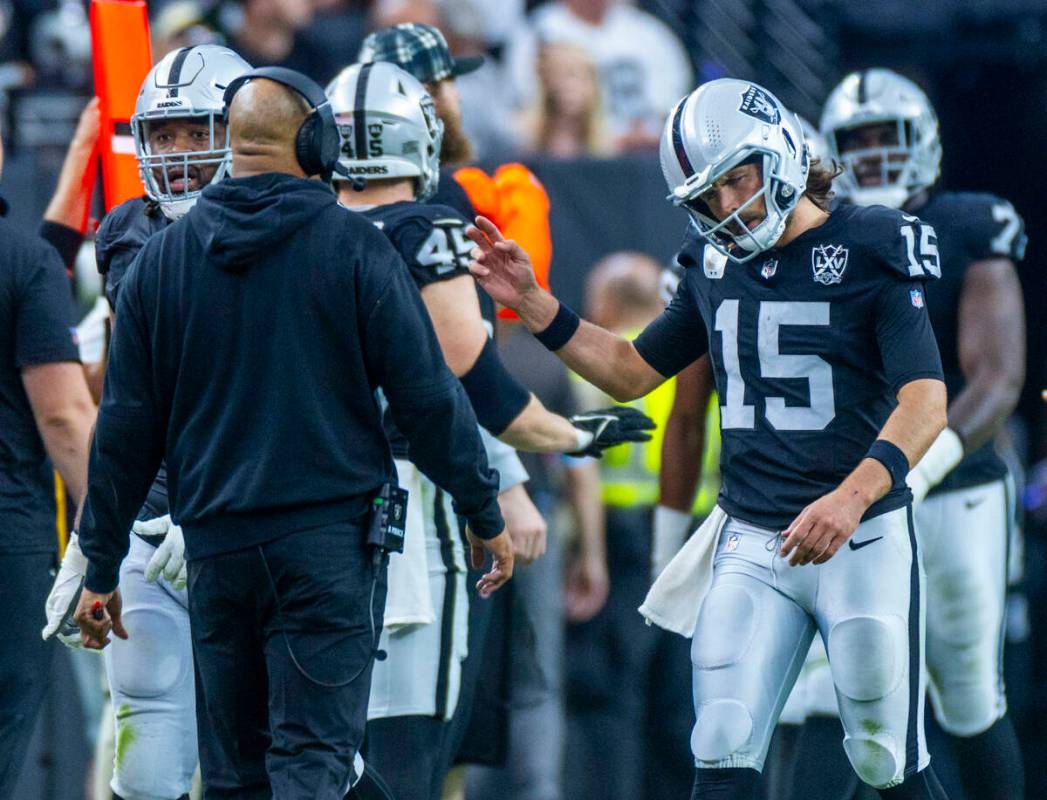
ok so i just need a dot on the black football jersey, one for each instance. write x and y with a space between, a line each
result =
809 343
970 227
432 241
123 232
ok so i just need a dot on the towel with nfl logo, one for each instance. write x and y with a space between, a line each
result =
677 594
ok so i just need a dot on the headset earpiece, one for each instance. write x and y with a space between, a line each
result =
318 142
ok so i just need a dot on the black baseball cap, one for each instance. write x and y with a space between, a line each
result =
419 49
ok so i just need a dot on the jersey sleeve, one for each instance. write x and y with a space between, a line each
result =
993 229
676 338
903 244
45 317
434 245
908 347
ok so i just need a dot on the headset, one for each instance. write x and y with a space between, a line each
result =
318 142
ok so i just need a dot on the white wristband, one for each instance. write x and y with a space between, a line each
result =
944 453
670 529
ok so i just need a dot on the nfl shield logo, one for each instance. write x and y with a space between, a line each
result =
768 269
829 261
917 297
732 543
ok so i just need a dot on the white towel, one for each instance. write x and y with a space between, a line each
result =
677 594
408 601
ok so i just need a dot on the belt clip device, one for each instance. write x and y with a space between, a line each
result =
388 519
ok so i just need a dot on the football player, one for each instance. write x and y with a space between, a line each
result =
181 146
830 387
883 130
390 163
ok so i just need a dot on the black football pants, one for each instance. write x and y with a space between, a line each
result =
284 636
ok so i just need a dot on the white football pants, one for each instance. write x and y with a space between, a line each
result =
755 627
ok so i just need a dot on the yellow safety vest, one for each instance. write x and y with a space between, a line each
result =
629 473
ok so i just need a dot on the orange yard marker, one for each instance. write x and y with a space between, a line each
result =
122 58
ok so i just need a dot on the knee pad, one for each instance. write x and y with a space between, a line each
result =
874 756
868 656
726 624
156 658
965 711
723 728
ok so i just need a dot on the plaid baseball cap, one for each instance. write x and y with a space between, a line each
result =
419 49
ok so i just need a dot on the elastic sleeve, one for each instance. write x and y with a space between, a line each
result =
903 330
497 396
677 337
427 402
45 317
127 448
64 239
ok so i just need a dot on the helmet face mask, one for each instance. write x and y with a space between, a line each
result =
881 129
722 125
390 128
175 177
183 94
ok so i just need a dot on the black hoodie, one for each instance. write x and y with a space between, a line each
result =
250 338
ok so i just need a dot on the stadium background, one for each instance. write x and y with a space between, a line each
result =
983 63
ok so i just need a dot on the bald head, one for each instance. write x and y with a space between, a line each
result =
264 119
623 290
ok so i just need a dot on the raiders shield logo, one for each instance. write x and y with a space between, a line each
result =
757 104
829 261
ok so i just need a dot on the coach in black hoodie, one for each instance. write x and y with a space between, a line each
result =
250 339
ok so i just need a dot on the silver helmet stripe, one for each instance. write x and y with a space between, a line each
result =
175 74
360 111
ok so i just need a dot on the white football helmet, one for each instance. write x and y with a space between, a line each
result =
186 83
714 129
388 124
817 147
910 165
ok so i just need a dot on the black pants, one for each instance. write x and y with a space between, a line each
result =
406 751
283 677
25 658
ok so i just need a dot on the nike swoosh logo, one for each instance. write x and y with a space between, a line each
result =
859 545
969 504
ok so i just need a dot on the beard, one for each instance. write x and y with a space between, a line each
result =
456 149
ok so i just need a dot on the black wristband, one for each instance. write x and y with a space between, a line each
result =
560 330
893 460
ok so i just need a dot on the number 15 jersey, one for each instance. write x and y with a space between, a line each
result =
810 344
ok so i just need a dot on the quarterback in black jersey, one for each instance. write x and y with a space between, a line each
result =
883 131
151 673
830 387
390 162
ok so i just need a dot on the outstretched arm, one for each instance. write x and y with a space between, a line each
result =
606 360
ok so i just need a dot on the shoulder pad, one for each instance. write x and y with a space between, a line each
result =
903 245
991 226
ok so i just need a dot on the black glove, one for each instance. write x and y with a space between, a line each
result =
611 427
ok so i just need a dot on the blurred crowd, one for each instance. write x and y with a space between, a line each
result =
565 77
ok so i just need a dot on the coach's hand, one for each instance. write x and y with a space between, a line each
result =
98 615
822 528
501 550
610 427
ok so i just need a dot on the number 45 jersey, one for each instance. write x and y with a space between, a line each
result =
810 344
431 240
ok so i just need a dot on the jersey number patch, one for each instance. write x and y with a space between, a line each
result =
774 364
921 247
445 249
